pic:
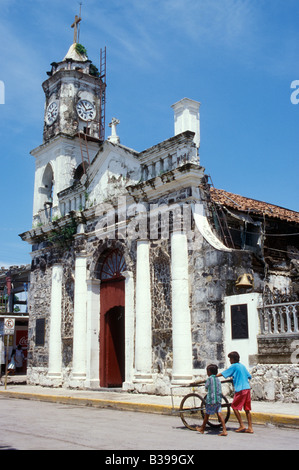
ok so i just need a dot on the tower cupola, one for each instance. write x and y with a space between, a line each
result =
75 94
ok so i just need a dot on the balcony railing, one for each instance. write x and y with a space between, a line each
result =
279 319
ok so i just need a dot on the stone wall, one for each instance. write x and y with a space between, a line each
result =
39 308
161 310
212 276
275 382
276 349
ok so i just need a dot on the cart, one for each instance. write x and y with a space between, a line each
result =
193 406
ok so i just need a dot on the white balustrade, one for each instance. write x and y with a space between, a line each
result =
279 319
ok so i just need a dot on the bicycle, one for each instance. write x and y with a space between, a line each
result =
193 406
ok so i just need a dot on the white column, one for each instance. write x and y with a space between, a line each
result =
79 337
186 118
92 333
129 328
55 353
143 341
181 321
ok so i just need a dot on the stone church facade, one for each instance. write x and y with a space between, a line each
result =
142 272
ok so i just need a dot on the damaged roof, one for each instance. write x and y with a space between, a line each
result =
245 204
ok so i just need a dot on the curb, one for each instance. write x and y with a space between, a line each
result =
257 417
96 402
291 421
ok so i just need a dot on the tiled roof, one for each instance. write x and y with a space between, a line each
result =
245 204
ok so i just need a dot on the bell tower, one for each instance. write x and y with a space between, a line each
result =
75 94
73 127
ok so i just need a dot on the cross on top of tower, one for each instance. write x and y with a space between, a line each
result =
74 25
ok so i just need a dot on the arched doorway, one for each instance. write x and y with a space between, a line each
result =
112 320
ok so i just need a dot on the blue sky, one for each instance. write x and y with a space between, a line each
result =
237 57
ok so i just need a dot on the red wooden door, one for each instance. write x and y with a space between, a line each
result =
22 339
112 333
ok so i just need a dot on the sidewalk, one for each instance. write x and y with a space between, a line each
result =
275 413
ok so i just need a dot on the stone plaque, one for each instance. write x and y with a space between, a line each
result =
40 332
239 321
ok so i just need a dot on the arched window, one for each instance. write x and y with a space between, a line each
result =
46 191
113 265
47 182
80 170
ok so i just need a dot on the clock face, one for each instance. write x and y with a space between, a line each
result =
86 110
52 113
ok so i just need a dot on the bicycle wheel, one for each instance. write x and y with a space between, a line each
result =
191 411
213 420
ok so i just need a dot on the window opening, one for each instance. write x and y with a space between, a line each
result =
114 264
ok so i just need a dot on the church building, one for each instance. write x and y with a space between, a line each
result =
142 272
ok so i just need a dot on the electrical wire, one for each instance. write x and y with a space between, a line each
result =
265 234
276 249
281 234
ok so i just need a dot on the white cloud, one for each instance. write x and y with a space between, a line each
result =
20 73
148 32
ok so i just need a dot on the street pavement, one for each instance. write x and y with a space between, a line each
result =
124 435
263 412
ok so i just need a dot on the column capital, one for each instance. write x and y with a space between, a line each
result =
93 282
127 274
81 254
178 232
57 264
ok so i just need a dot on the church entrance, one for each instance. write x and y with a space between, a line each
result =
112 321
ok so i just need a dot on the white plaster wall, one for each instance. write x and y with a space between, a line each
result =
64 155
113 173
281 283
245 347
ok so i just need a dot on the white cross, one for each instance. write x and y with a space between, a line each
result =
114 137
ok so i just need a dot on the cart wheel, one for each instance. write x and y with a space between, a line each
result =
191 411
213 421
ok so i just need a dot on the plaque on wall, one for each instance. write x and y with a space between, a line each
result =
40 332
239 321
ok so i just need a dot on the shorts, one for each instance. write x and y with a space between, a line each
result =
213 409
241 400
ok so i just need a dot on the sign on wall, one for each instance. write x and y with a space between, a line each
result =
9 326
239 321
40 326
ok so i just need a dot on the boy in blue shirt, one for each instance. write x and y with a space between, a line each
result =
242 398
